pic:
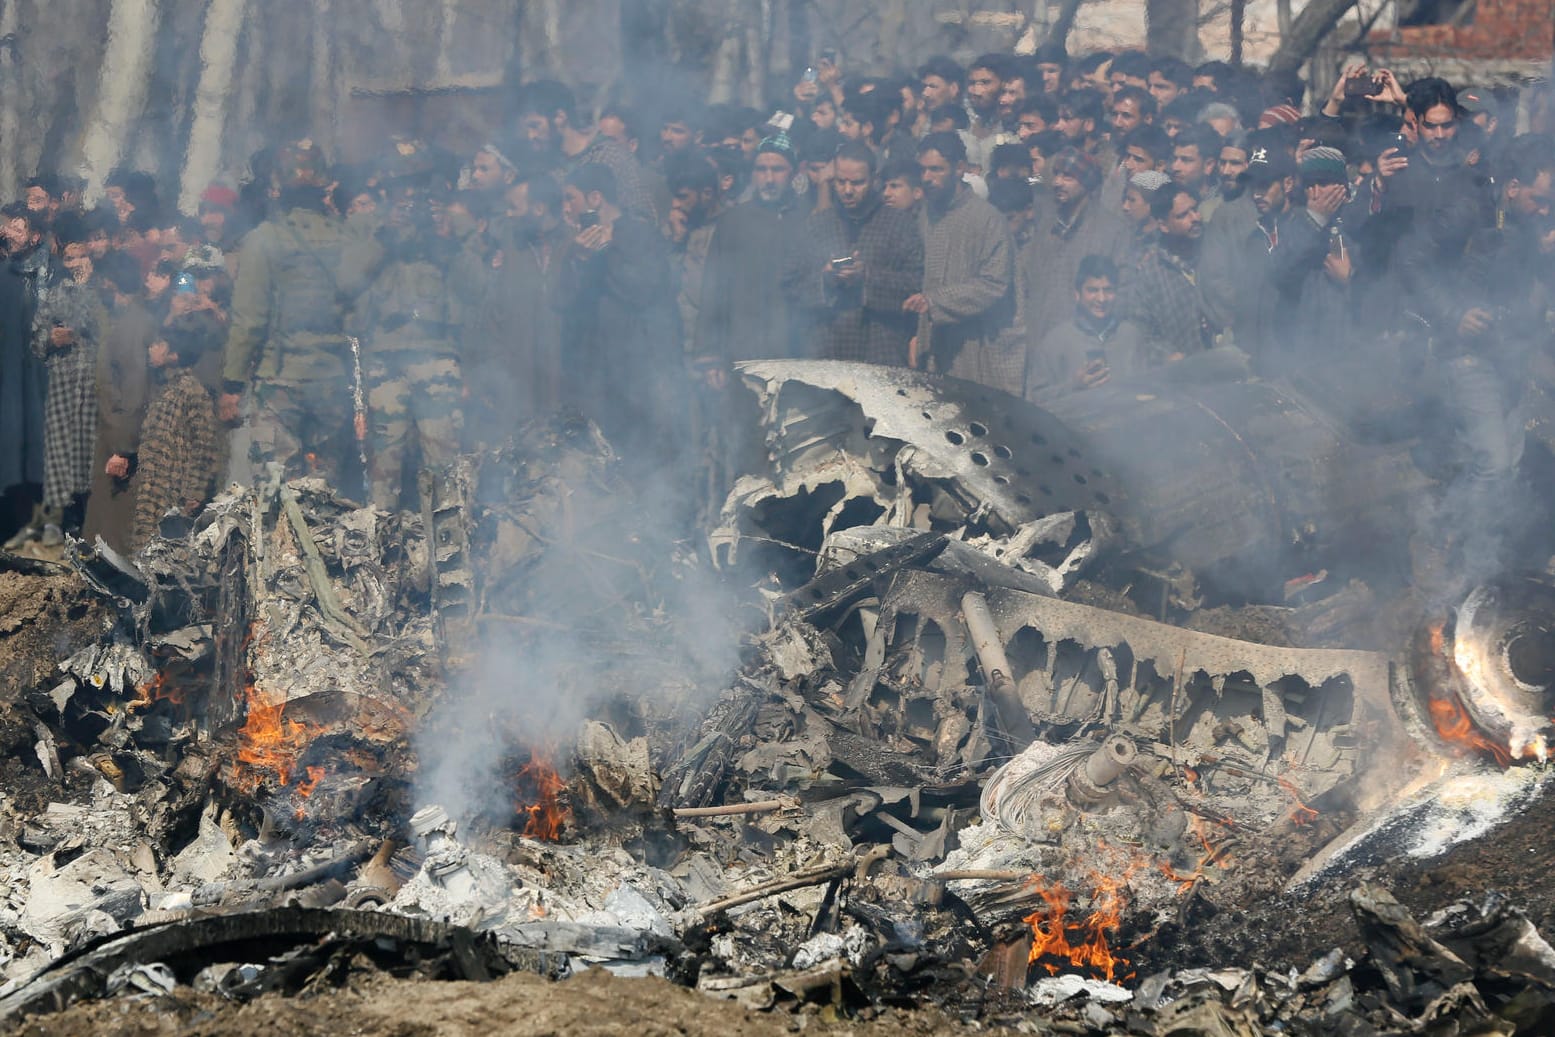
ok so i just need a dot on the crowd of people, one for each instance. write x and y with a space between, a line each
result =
1043 224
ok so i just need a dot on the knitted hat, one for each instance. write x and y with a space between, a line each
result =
1323 165
778 144
1280 113
1076 163
1149 180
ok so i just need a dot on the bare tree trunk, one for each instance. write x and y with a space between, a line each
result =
121 92
322 122
758 50
218 53
725 85
892 16
1282 17
10 102
1238 20
1064 23
541 38
1172 28
1315 21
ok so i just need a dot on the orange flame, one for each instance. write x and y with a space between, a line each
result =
269 742
1453 723
1451 720
545 816
1300 814
154 691
1082 943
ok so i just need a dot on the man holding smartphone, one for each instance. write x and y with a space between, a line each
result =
861 261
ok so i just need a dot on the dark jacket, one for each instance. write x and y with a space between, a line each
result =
744 314
622 342
123 391
22 376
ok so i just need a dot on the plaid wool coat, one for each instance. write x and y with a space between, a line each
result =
862 319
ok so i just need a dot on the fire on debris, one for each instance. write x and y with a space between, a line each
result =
958 749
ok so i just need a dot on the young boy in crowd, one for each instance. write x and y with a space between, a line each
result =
178 455
1093 345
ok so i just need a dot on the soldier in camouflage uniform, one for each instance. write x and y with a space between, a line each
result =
302 271
411 323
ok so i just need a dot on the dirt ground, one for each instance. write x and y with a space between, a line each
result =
522 1005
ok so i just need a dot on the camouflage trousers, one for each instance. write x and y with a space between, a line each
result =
305 427
412 396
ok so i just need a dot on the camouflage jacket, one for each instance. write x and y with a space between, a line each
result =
301 274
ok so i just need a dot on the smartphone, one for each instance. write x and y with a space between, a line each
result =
588 219
811 76
1336 246
842 262
1359 87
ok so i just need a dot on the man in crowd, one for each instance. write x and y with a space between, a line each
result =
1163 296
861 261
1073 224
287 349
966 308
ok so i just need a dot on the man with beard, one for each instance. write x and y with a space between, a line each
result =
492 172
547 115
744 314
1228 231
966 310
286 346
1163 297
861 261
1019 83
984 83
22 377
513 354
1436 199
1071 225
411 324
1271 183
624 360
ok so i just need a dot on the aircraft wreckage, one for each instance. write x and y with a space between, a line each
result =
1014 686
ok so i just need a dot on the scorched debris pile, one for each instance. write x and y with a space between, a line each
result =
964 757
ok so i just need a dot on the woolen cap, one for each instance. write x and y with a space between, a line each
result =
1323 165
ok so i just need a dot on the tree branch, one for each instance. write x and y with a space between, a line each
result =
1315 21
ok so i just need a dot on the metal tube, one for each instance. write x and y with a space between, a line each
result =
1014 722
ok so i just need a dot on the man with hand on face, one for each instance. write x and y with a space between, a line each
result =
624 360
966 308
861 261
1312 263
